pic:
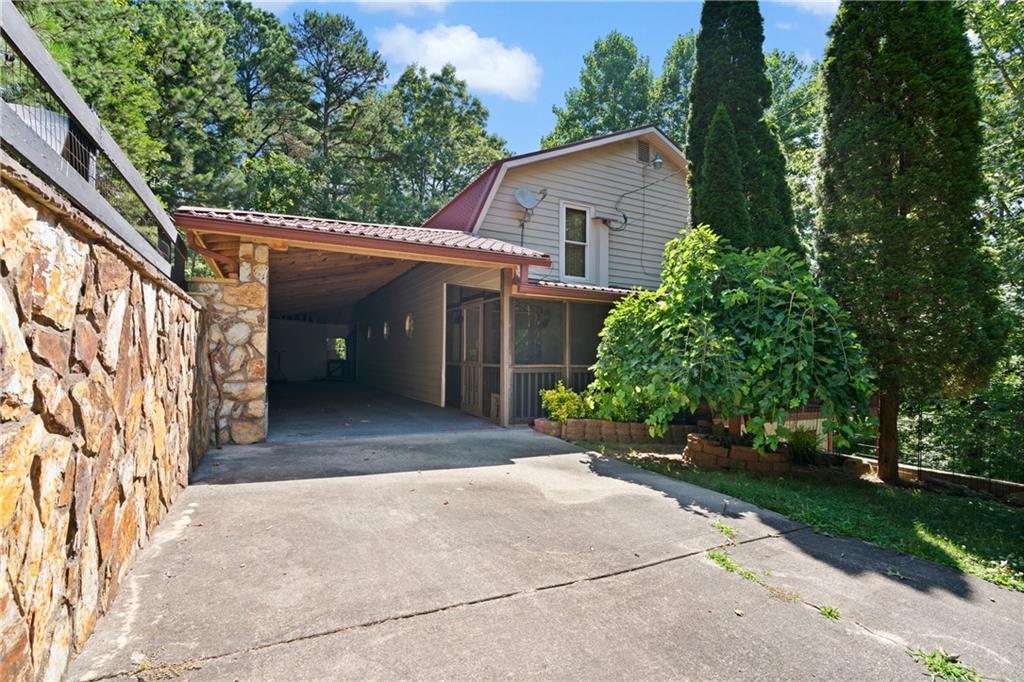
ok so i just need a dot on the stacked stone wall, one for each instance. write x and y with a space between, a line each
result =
237 347
98 387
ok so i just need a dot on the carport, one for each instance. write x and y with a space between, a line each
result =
309 316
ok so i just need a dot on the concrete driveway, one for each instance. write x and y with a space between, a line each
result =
479 552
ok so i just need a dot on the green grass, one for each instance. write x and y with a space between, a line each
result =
726 562
943 666
830 612
728 531
977 536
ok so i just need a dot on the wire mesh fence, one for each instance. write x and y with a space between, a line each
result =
988 447
40 131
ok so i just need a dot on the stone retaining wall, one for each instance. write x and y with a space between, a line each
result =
237 346
699 450
98 387
705 453
866 466
609 431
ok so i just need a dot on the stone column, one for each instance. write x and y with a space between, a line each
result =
237 313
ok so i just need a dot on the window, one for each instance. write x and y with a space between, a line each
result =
408 325
337 348
575 234
539 332
387 331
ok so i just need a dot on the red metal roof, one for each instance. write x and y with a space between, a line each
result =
282 226
462 212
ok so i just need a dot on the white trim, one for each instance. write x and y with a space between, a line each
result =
670 149
588 246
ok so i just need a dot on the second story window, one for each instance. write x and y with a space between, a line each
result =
575 242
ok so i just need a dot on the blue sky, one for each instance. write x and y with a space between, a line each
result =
519 58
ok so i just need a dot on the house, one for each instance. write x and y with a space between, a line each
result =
499 294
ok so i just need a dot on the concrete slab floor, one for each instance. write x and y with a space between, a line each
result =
500 552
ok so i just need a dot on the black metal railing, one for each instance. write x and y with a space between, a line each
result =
45 123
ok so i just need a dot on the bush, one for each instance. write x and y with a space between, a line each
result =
562 403
803 445
748 333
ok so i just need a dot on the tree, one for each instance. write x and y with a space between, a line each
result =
999 69
795 117
614 93
343 74
672 88
269 80
746 333
718 192
730 70
96 47
440 144
899 241
198 117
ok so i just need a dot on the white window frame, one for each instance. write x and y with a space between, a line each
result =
588 248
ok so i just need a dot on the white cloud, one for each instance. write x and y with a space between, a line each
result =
486 64
784 25
403 7
822 8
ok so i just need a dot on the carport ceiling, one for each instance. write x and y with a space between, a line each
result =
324 285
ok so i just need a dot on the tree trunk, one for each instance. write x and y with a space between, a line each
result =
888 439
735 426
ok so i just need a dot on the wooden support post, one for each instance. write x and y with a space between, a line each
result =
505 411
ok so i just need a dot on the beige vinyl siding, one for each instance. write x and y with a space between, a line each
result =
597 178
412 367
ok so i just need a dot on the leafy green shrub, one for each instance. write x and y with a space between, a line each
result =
803 445
562 403
748 333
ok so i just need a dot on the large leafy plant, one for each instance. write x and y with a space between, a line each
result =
747 333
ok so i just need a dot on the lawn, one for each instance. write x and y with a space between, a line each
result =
977 536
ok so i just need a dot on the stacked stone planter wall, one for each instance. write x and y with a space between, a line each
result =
237 343
608 431
98 386
705 453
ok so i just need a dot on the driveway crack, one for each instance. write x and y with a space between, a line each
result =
154 670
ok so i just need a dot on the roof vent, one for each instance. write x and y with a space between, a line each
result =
643 151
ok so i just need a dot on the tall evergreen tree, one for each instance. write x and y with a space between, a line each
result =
718 199
269 80
899 241
199 118
730 70
614 93
343 74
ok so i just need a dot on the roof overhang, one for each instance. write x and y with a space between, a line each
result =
280 236
528 288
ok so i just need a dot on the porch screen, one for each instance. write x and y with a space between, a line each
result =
539 332
585 322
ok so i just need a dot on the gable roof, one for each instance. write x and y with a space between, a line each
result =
466 210
398 240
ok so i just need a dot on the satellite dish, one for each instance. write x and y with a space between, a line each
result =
527 198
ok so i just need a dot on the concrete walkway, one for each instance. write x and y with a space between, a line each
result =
485 552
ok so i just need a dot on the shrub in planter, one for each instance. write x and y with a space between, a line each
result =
802 444
562 403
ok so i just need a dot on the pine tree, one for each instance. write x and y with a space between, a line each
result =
730 70
718 199
899 242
